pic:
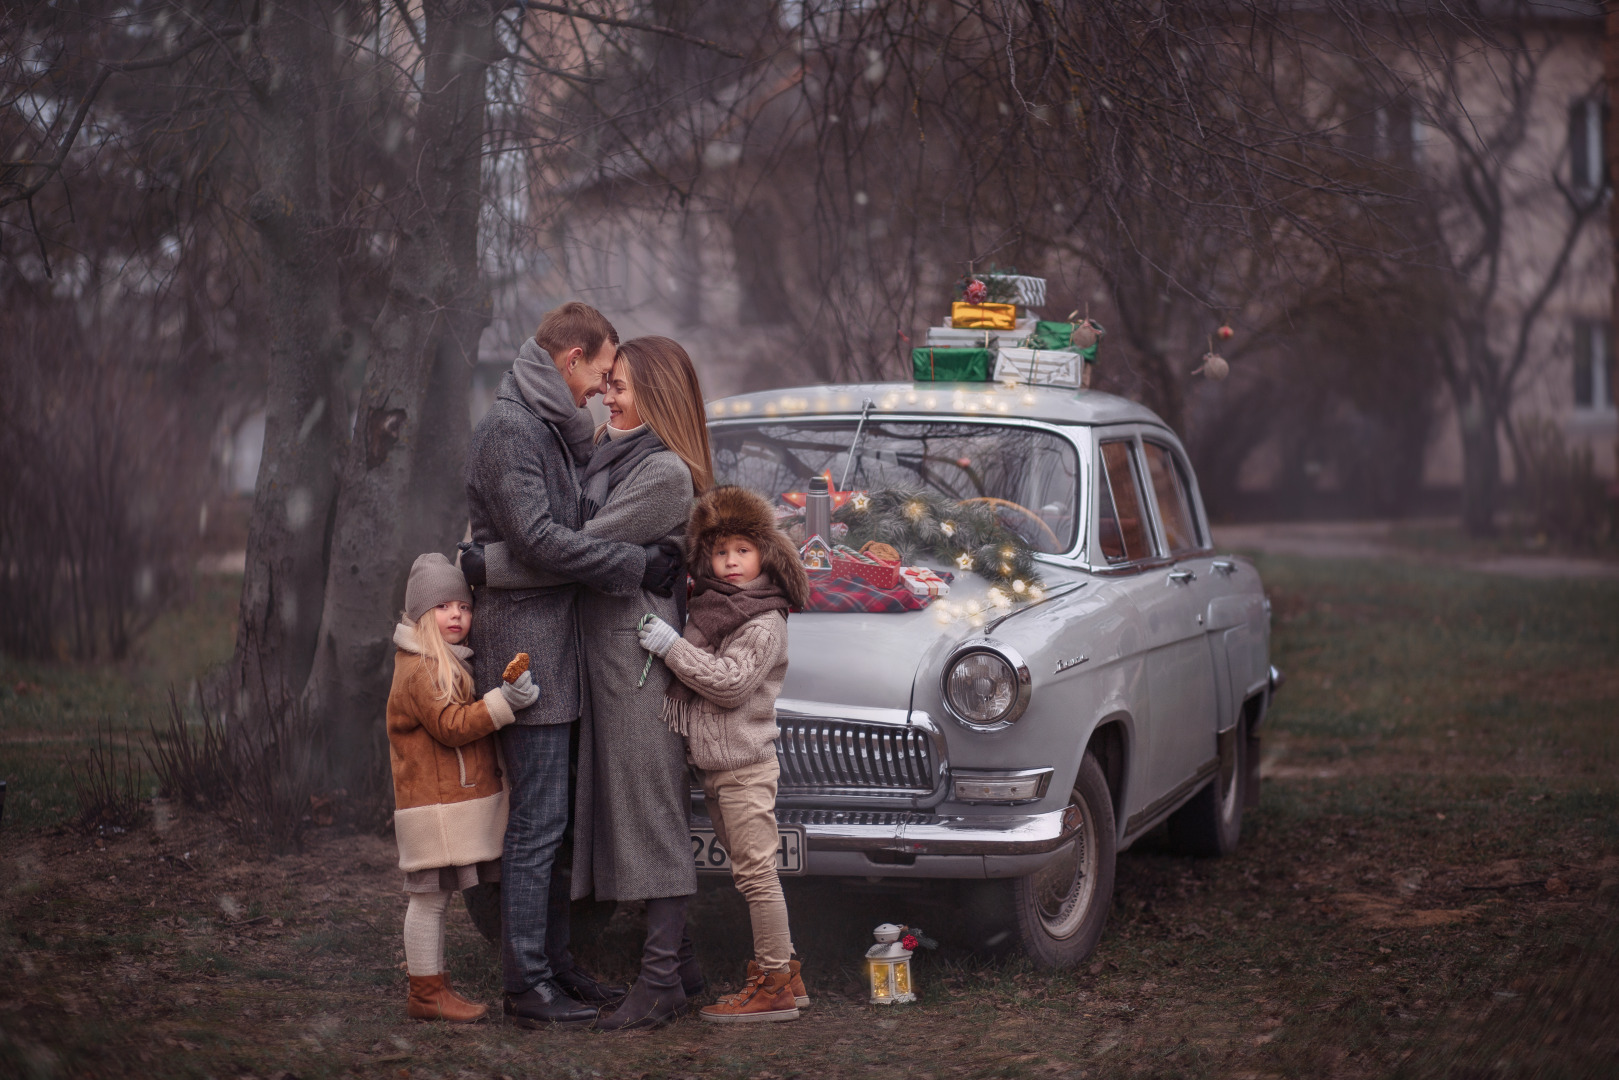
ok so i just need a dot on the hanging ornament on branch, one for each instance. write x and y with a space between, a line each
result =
1214 366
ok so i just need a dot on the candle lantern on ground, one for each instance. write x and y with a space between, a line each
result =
888 965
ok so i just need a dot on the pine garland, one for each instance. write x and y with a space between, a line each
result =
966 535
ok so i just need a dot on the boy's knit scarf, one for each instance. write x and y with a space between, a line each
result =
717 610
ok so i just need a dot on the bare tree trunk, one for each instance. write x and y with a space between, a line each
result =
1610 65
304 403
403 489
1481 464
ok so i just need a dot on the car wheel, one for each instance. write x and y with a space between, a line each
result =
1211 823
1062 908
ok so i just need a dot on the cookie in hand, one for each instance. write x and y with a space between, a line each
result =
516 668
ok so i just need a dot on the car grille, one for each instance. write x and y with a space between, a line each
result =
822 755
886 818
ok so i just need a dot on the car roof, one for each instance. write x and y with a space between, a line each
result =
970 399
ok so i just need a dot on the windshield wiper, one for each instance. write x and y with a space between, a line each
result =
860 428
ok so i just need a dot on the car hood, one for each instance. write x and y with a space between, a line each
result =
838 658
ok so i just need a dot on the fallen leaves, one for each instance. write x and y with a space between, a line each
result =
1380 913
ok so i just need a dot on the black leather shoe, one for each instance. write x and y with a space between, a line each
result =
643 1008
545 1005
580 985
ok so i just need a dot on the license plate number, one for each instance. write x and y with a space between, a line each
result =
712 858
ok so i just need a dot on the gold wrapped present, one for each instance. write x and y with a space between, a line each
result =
983 316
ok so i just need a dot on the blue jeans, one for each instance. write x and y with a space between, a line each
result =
533 890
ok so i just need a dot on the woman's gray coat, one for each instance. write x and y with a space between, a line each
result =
632 806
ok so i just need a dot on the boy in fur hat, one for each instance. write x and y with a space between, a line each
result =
728 669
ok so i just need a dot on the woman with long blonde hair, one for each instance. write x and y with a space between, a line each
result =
650 461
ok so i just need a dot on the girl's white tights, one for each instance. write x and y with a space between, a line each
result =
424 932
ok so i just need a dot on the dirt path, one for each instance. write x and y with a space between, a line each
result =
1379 540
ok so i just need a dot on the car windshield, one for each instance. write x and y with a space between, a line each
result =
1030 475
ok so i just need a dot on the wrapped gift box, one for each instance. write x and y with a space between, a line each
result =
847 562
940 337
952 365
923 582
1031 291
983 316
1040 367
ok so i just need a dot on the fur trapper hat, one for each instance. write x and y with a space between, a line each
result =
735 511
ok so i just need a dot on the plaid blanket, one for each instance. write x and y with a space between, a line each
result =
841 594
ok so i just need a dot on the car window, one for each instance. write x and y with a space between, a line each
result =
1174 500
1030 475
1122 524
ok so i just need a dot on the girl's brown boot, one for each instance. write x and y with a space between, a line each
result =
432 999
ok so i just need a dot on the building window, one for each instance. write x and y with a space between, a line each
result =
1586 144
1593 365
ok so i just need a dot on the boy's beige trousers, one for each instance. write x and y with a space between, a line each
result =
742 805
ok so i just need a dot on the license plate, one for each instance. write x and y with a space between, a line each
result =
712 858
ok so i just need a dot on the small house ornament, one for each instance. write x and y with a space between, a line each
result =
816 554
888 965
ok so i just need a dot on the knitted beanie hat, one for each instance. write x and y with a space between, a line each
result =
434 580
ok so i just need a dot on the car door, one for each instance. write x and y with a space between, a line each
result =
1185 533
1180 675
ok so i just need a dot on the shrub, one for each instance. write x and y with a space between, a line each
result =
261 772
99 507
1563 495
107 785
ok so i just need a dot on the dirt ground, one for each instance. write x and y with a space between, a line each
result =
1428 889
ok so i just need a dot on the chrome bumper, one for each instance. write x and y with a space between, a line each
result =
898 833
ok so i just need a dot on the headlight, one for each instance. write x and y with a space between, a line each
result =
986 686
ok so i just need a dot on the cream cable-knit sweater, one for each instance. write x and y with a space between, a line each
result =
732 723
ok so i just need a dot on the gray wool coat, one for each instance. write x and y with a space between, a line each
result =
523 489
631 839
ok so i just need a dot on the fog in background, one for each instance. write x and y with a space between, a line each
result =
262 265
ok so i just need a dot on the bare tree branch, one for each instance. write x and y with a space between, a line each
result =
52 167
628 24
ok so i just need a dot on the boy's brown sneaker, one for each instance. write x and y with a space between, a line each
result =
795 969
767 996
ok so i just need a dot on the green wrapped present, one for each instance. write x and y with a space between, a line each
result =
952 365
1082 337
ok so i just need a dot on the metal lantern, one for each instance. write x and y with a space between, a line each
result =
888 967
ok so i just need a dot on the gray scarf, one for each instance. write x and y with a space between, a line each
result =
542 387
611 462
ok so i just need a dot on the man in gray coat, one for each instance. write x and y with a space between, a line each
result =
523 488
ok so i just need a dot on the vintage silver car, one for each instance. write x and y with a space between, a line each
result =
1028 743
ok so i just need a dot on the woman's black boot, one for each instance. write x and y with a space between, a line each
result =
656 998
691 973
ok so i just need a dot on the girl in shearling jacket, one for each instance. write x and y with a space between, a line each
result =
449 796
729 668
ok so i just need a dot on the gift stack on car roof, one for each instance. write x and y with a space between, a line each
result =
995 333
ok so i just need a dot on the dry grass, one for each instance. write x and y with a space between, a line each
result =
1432 906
